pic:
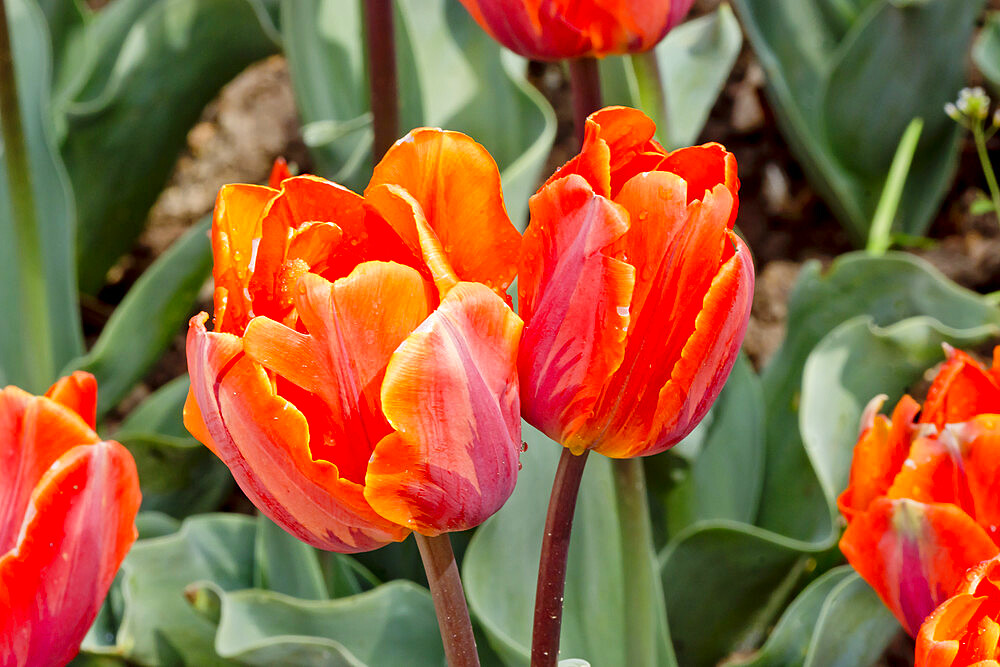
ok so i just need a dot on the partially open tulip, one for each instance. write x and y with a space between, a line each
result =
634 290
922 504
965 629
554 29
361 379
68 502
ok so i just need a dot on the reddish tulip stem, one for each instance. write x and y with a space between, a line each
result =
382 86
34 318
552 565
585 80
449 600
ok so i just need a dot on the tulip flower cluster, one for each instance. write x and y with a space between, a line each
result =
922 509
68 502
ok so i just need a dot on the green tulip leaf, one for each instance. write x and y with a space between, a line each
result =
852 364
986 50
717 471
836 621
148 319
178 475
451 75
724 582
52 216
391 625
889 289
843 112
506 549
678 82
172 61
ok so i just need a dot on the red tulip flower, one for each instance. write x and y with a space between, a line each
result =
555 29
634 290
965 629
68 502
361 379
922 506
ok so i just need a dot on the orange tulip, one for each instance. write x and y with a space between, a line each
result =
634 290
361 379
554 29
67 518
965 629
921 504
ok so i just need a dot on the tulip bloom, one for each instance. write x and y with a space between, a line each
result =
965 629
67 518
634 290
555 29
921 505
361 379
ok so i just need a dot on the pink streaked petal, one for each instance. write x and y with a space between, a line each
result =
78 528
575 300
451 393
264 440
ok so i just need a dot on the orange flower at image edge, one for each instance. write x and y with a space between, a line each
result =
922 505
68 503
555 29
361 379
964 630
634 290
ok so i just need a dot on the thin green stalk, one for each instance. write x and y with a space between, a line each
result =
984 159
645 608
652 95
34 316
449 600
892 193
552 564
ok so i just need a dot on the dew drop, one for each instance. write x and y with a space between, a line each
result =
643 215
524 446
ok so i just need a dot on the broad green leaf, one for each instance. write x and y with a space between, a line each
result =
178 475
391 625
724 583
844 112
287 565
158 625
172 62
451 75
150 316
852 364
678 82
889 289
986 50
54 209
855 628
500 567
717 471
788 644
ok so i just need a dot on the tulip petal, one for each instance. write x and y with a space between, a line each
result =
457 184
704 167
264 440
450 391
78 392
696 292
914 555
353 325
575 299
34 433
878 457
235 227
938 639
961 390
279 172
76 532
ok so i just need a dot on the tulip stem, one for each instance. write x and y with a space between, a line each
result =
449 600
382 80
585 80
552 564
645 608
34 320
